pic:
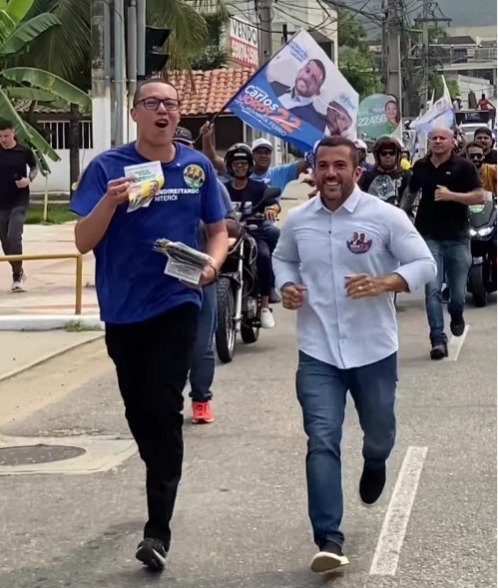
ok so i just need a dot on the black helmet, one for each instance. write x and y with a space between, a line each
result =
239 152
387 141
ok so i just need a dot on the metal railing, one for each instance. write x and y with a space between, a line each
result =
79 269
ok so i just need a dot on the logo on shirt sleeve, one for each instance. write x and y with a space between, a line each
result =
358 243
194 176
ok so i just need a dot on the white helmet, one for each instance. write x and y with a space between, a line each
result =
359 144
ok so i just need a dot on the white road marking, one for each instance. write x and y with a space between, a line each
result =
455 345
386 556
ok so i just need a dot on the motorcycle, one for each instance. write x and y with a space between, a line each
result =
239 298
482 274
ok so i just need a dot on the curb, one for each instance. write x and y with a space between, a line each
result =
47 357
48 322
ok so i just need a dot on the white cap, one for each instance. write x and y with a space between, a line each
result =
261 142
359 144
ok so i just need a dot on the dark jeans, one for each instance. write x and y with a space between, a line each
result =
203 363
453 259
11 229
152 360
321 391
266 242
270 233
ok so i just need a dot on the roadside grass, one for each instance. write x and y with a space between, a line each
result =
78 327
57 213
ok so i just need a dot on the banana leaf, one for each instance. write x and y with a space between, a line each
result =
26 32
20 93
18 9
51 83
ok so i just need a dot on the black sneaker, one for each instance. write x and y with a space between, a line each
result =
328 558
457 325
371 484
152 553
439 350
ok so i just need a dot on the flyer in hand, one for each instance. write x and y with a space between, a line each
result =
184 262
148 179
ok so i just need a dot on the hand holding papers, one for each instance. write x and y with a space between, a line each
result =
184 262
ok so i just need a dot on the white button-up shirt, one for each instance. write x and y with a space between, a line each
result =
319 248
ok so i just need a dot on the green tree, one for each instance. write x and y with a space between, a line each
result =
214 55
355 62
436 86
28 83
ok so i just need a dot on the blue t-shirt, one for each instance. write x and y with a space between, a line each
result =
278 176
130 280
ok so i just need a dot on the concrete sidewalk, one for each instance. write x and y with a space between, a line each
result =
22 350
51 284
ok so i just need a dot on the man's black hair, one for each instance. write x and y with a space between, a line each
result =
337 141
136 95
321 67
475 145
483 131
6 124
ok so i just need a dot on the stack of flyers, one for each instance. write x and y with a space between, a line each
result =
184 262
148 179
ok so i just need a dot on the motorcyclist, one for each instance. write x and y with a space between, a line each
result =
387 180
361 148
249 197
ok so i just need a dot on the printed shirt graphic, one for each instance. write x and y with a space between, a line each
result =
130 280
384 187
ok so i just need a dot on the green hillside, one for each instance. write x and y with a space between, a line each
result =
469 13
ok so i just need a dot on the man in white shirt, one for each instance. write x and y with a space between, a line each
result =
341 257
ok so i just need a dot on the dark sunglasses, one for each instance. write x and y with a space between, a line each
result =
387 153
476 156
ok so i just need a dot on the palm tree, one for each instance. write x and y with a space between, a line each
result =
28 83
187 41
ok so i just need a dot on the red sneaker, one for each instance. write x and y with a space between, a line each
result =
202 413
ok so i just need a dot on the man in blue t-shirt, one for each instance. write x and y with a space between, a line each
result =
151 317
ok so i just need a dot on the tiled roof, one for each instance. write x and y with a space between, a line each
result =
206 92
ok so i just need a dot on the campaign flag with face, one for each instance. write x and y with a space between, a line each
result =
379 115
299 96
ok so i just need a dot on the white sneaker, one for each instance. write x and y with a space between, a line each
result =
267 320
17 285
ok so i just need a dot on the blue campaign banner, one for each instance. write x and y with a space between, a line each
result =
299 96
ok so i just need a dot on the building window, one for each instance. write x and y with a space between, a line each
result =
56 132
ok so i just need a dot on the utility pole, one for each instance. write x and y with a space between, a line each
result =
424 89
141 27
101 75
428 16
120 73
392 50
265 16
131 63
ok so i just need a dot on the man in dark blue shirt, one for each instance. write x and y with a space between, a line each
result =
150 317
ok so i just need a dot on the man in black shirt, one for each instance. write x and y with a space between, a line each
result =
15 159
449 184
484 137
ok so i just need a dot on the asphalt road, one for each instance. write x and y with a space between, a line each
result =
241 517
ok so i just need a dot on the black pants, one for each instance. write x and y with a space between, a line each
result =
152 360
11 229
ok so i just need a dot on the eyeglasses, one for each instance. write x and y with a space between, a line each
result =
169 104
240 163
387 153
476 156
